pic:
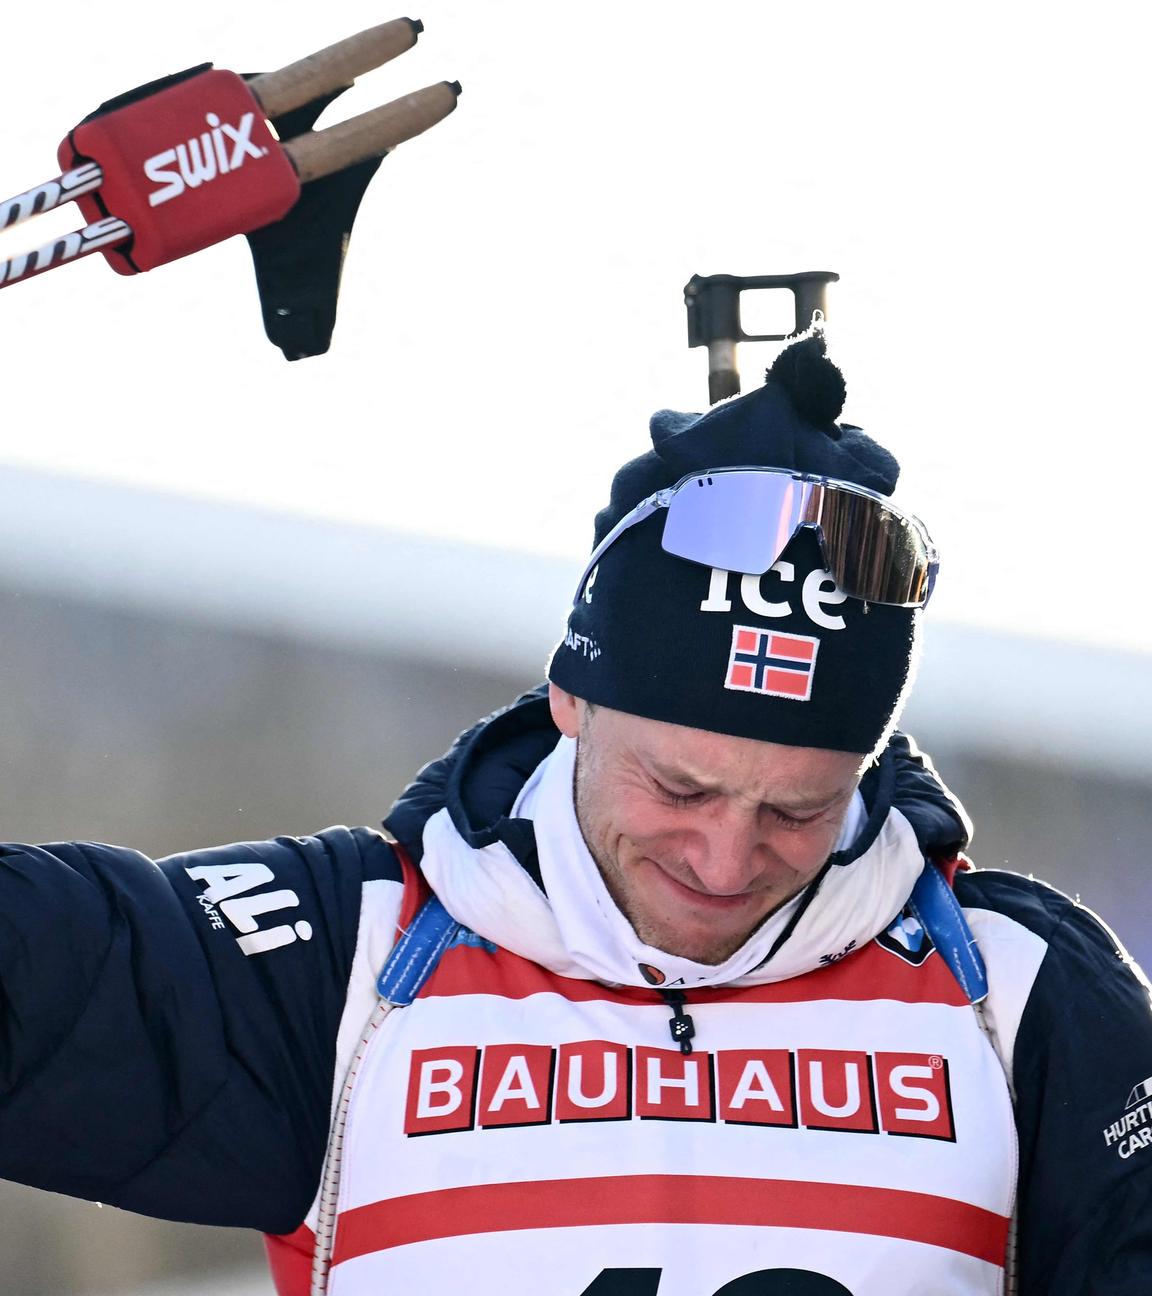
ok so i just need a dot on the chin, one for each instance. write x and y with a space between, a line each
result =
698 948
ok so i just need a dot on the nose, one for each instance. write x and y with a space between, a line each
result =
726 850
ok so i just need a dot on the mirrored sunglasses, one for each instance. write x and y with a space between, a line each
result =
742 518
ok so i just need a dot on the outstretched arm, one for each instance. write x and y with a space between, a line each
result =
169 1029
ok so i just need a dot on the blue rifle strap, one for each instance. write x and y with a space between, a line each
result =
936 908
416 953
932 902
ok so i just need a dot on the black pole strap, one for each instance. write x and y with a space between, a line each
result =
299 259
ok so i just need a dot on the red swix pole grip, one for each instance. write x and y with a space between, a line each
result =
185 168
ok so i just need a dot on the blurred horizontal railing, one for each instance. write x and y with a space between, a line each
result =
493 610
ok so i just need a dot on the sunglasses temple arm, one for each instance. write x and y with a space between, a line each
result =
642 510
933 572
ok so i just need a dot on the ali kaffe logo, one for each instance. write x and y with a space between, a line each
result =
453 1089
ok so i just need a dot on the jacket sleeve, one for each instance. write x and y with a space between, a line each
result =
1082 1073
169 1029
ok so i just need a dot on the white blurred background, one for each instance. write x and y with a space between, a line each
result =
245 596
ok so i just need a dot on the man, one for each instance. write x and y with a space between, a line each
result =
697 993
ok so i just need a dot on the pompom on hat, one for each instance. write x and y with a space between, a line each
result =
785 657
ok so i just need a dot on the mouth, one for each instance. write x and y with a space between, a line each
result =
711 900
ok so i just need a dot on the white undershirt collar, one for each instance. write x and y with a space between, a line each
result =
575 929
593 929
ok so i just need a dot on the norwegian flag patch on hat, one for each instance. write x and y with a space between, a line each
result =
765 661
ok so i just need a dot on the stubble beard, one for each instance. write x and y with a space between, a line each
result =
652 933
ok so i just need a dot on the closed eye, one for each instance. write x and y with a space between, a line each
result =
791 822
678 799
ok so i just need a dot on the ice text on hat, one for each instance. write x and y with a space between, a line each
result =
817 591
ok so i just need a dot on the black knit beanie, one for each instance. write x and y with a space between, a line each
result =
784 657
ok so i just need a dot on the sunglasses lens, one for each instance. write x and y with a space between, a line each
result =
743 520
873 552
709 519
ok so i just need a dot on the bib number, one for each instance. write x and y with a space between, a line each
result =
763 1282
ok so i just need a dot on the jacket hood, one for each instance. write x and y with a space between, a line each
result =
479 778
485 864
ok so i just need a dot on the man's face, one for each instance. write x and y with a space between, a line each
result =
700 836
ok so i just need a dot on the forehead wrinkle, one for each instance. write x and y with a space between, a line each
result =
684 775
817 802
778 776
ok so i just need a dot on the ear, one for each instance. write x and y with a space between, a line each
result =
565 711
